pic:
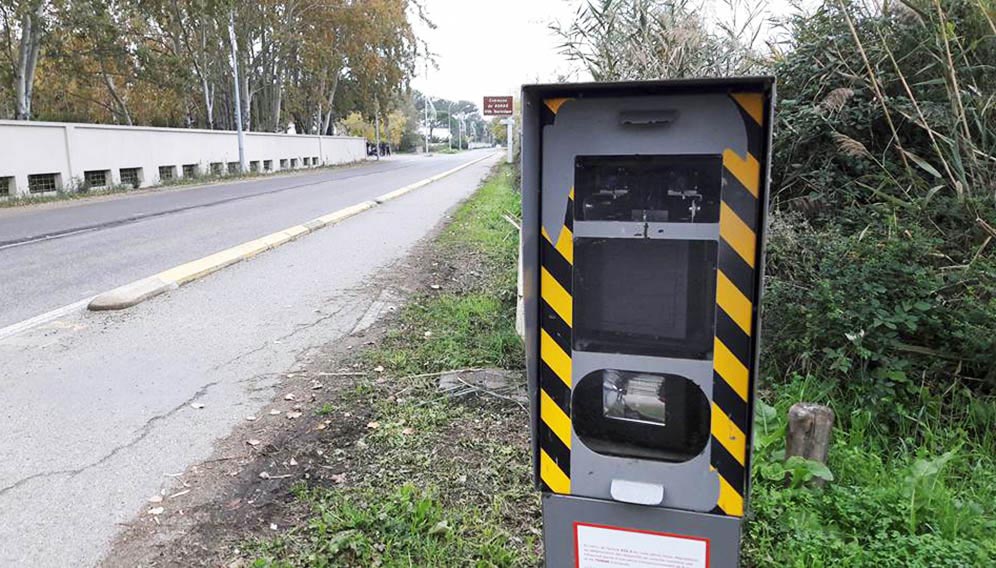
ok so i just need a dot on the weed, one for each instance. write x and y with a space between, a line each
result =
895 500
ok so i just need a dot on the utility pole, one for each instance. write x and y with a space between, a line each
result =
238 100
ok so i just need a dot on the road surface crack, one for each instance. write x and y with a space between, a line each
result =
143 432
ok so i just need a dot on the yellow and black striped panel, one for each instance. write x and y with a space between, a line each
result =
732 358
556 318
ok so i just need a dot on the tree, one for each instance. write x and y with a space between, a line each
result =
167 62
24 26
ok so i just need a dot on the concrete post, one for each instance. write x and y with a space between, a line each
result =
808 434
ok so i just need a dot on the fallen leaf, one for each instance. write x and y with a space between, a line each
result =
156 511
321 426
290 396
408 431
293 415
156 499
338 478
439 528
373 425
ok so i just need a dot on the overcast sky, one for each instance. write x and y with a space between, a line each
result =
493 47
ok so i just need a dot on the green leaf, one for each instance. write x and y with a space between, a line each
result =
923 164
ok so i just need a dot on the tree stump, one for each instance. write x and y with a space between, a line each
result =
808 434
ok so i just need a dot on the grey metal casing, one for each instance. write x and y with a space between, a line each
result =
560 513
589 125
704 124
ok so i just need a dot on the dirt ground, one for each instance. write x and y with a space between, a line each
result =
312 434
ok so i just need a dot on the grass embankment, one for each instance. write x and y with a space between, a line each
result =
447 480
922 495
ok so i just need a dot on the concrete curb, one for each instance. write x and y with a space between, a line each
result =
138 291
422 183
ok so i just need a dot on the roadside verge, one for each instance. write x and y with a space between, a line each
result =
138 291
402 443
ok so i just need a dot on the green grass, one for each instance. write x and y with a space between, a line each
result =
444 481
476 326
325 409
922 495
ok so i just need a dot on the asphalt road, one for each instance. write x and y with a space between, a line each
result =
96 406
56 254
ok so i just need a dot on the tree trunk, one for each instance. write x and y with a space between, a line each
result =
122 107
278 81
327 119
246 97
27 61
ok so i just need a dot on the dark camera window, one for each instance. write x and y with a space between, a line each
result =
661 189
643 415
645 296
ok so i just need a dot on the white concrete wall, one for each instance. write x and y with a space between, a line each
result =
69 150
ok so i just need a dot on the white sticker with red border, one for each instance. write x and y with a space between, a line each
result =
599 546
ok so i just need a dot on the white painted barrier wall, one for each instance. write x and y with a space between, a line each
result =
69 150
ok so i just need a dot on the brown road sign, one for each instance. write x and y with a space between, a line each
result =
497 106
